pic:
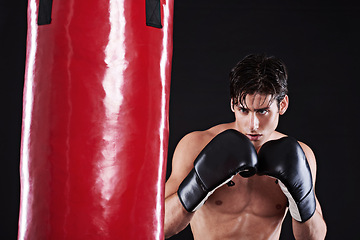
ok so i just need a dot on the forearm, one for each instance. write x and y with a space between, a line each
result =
314 228
176 217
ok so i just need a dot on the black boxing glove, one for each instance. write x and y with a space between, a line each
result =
285 160
227 154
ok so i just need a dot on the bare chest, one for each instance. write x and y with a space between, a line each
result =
251 209
258 195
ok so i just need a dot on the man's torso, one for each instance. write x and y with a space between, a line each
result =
253 208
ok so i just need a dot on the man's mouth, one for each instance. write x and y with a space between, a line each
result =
254 137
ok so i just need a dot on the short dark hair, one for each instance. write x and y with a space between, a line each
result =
258 74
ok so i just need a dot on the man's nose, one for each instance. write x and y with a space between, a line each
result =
254 122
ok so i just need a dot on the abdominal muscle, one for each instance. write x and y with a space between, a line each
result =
253 208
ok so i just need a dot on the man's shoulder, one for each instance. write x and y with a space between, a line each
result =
278 135
196 139
205 136
199 139
307 150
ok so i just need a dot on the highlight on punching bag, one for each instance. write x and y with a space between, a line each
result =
95 119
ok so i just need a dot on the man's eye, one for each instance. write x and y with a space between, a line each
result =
243 110
263 111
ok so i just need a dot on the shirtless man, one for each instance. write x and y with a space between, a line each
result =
253 206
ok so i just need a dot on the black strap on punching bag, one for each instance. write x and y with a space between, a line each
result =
153 13
44 16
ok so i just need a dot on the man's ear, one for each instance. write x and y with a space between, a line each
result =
284 104
232 105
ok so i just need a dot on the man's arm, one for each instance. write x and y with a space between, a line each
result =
226 155
293 164
315 227
176 217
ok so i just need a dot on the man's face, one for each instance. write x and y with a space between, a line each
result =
258 117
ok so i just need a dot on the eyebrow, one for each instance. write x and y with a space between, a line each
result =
256 109
261 109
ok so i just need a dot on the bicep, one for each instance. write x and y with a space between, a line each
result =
311 160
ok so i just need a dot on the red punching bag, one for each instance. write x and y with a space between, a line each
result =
95 119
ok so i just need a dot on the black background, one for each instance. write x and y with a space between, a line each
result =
318 41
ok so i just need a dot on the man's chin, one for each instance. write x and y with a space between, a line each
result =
257 143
